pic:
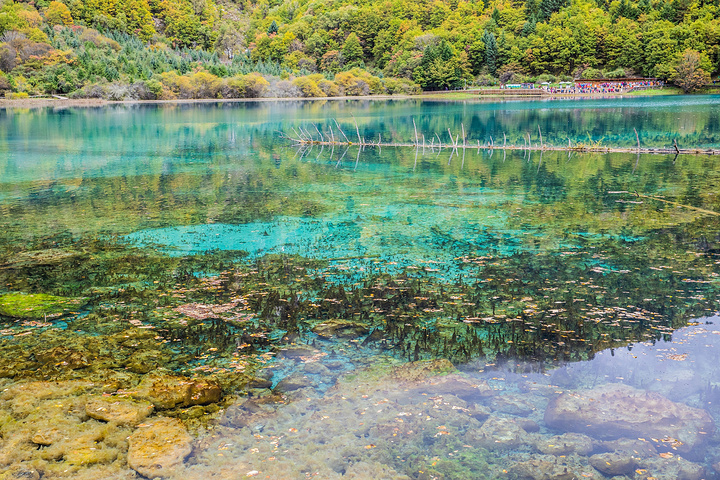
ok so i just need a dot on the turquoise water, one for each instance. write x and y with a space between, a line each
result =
312 283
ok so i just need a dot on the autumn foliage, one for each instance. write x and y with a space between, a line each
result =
191 48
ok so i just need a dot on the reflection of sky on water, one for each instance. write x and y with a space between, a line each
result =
684 369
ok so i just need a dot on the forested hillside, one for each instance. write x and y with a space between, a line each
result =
220 48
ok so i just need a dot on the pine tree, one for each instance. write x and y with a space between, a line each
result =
352 50
444 50
548 7
273 28
429 56
532 10
528 27
491 51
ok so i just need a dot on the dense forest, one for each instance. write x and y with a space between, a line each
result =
165 49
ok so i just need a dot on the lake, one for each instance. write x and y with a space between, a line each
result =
186 293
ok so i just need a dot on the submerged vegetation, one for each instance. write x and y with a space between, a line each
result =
547 308
590 275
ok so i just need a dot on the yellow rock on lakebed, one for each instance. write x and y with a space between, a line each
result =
158 448
168 391
121 412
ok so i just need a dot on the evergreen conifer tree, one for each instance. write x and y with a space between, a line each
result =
352 50
548 7
491 51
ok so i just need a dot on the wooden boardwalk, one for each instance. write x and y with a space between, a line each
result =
513 92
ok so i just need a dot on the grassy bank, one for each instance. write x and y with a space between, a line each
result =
453 96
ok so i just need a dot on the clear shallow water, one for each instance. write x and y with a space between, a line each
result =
193 240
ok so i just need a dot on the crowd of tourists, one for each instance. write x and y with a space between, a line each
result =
609 86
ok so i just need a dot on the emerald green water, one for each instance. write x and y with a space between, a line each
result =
192 239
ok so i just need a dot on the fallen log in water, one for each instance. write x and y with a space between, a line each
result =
305 138
544 148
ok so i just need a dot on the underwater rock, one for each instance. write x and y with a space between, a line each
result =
121 412
317 368
672 467
563 377
298 352
47 436
63 357
51 415
512 405
365 470
527 424
614 463
262 381
497 433
35 306
530 470
633 446
479 412
335 365
74 441
246 411
169 391
89 453
551 468
439 377
565 444
20 472
14 447
144 361
616 410
23 398
48 256
293 382
422 370
341 329
259 382
456 385
159 448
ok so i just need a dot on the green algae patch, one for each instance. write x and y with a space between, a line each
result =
35 305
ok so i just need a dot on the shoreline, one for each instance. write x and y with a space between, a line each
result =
99 102
450 96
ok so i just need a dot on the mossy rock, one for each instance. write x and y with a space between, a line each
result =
418 371
341 329
50 256
35 305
